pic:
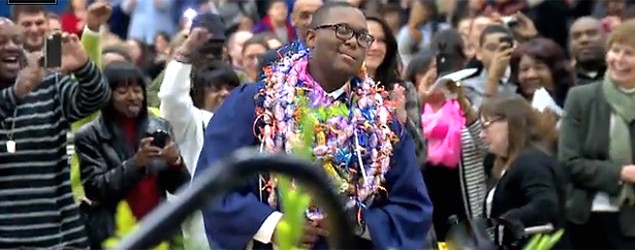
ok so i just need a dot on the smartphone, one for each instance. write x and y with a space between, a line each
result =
507 40
160 138
510 21
444 64
52 52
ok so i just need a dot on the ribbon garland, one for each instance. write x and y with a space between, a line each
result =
352 141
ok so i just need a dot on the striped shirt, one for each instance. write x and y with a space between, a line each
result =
37 209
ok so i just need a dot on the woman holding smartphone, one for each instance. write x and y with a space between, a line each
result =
128 159
453 171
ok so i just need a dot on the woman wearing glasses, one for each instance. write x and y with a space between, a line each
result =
528 187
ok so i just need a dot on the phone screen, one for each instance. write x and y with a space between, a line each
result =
444 64
53 51
160 138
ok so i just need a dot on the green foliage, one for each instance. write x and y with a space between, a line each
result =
544 241
294 200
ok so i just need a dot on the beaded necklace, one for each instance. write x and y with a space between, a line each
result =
352 141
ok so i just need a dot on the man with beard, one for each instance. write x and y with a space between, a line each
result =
586 41
37 108
32 19
326 76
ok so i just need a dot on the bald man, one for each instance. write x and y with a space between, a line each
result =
301 20
586 42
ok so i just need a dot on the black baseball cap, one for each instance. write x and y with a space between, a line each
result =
213 23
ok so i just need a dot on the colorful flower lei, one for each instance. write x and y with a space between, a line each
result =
354 144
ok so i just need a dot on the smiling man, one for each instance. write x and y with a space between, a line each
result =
586 41
37 107
383 186
32 19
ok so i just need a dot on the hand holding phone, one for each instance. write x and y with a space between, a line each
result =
501 58
146 152
73 54
52 52
169 150
159 138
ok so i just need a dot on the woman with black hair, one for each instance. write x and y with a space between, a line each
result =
128 159
382 57
540 68
453 170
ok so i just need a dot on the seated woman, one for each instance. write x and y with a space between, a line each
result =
529 188
126 167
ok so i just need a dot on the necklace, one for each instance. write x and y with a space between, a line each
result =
10 144
352 141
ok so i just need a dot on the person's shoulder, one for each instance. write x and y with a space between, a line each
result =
533 157
88 130
583 95
250 88
586 89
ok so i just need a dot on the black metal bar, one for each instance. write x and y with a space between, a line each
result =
230 173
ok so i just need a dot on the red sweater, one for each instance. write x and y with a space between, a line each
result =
145 195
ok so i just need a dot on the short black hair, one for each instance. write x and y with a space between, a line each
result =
322 12
493 29
18 10
211 76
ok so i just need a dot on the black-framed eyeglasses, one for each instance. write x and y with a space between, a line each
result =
344 32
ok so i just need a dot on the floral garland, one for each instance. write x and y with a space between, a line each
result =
354 144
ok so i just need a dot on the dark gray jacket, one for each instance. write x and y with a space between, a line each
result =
583 152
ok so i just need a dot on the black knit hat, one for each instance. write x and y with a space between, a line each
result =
213 23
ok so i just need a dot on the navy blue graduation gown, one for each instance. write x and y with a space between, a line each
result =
401 221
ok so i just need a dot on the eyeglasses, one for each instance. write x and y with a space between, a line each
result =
345 32
487 124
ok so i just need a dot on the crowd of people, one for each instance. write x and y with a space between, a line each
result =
419 111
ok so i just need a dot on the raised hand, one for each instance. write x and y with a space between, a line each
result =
30 76
98 14
525 28
500 61
195 40
73 54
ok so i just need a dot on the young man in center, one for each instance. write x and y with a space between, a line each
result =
392 200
